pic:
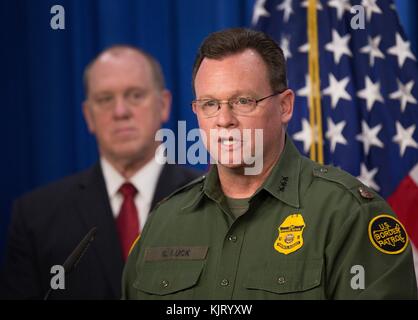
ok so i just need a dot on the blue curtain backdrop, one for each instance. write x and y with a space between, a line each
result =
42 130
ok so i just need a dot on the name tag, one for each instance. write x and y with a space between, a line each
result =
175 253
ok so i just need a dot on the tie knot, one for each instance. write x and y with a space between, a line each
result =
128 190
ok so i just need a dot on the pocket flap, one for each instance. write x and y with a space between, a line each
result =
166 277
291 276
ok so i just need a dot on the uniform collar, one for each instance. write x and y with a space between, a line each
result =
211 185
282 183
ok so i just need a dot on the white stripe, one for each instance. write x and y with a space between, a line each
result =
414 174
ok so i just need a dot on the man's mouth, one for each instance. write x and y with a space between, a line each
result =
123 130
124 133
228 141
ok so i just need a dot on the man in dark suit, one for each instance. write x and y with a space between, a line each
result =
126 103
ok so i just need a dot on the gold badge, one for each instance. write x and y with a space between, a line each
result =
290 236
387 234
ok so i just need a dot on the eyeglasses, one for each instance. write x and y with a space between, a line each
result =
239 105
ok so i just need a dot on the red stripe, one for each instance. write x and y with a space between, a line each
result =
404 201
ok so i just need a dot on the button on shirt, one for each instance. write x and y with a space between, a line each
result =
145 181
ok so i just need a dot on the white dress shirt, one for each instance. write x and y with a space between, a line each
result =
145 181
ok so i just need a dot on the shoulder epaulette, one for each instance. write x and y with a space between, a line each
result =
360 191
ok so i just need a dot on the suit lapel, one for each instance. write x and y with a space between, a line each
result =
94 207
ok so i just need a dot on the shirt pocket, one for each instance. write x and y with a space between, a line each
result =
168 279
293 279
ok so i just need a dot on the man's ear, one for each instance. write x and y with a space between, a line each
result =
88 116
287 99
165 105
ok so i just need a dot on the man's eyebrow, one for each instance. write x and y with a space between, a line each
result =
237 93
102 92
206 98
136 88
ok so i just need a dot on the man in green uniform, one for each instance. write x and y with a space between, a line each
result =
294 230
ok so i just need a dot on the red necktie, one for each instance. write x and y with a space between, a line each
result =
127 222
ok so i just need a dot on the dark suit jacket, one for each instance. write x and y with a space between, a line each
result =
48 223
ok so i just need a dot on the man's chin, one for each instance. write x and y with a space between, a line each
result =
128 154
232 166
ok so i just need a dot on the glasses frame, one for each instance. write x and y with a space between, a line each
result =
220 102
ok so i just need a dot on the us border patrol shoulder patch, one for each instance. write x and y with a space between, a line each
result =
387 234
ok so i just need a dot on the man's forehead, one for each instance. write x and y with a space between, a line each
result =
126 69
236 57
246 69
120 56
128 63
245 61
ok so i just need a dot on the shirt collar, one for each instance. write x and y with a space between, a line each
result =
145 179
282 182
113 179
211 185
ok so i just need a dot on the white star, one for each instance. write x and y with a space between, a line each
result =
367 177
259 11
334 133
306 90
371 93
305 135
404 137
304 48
401 49
370 6
404 94
286 6
284 44
338 45
369 137
337 90
373 49
304 4
340 6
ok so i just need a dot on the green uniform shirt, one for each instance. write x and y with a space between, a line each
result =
310 232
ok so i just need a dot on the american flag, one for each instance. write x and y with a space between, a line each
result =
368 92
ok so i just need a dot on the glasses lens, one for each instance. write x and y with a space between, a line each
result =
243 105
208 107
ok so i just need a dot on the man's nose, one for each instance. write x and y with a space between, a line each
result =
225 117
121 109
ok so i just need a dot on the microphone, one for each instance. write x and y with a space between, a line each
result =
74 258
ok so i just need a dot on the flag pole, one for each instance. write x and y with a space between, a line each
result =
315 114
